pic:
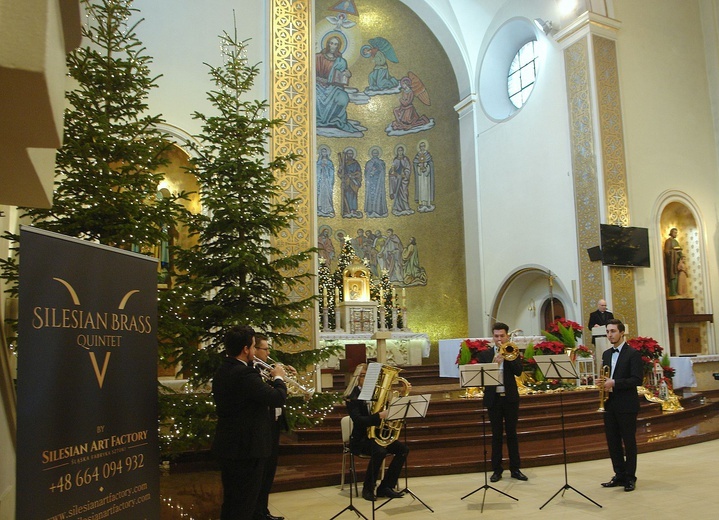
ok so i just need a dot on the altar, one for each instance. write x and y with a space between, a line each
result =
449 349
403 348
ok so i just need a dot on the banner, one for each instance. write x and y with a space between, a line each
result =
87 381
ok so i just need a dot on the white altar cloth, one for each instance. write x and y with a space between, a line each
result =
403 348
684 372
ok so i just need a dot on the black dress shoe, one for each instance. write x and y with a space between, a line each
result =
614 482
272 517
630 485
368 495
389 493
496 477
519 475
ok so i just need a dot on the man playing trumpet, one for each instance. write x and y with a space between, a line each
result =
279 422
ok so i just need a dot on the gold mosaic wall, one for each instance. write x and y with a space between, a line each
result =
579 66
579 100
291 101
615 172
382 40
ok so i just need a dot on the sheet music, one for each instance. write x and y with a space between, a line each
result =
411 406
599 330
471 375
353 380
557 366
370 381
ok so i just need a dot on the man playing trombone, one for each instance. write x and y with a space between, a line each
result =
502 404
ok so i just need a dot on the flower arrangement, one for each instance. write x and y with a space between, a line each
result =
669 372
555 328
547 348
469 351
648 348
580 351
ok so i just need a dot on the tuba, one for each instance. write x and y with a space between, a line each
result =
509 350
388 431
602 392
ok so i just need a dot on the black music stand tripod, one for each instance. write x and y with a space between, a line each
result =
484 375
403 408
560 367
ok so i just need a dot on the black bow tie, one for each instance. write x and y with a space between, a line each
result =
615 350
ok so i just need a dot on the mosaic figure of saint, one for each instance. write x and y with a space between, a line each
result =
379 79
325 183
399 176
325 246
414 274
424 178
350 172
391 254
375 193
332 75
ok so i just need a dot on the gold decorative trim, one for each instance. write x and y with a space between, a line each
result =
576 58
291 101
611 128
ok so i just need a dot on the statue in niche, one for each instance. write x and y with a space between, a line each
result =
672 255
682 277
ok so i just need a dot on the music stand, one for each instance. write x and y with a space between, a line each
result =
560 367
484 375
401 409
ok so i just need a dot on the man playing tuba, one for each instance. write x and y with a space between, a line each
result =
361 444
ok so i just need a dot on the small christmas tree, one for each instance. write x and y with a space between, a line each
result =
234 275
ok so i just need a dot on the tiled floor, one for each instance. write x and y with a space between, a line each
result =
675 483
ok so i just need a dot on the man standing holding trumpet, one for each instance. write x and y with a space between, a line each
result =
279 422
622 405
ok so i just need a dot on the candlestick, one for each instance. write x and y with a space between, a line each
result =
324 297
394 296
404 298
337 295
381 296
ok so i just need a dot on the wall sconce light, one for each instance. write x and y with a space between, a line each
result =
546 27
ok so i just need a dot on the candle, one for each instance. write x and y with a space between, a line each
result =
404 298
337 295
324 297
381 296
394 296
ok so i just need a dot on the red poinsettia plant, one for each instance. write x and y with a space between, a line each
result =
469 351
648 348
555 329
549 348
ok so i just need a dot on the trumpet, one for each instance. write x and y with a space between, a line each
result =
602 392
293 386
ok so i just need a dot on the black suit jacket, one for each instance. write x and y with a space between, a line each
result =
361 420
598 318
243 401
628 375
511 369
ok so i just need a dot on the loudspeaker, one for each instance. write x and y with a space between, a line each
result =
595 253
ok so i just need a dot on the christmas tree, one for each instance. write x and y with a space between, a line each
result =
234 275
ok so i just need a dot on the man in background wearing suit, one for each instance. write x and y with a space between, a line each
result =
599 317
279 422
361 444
502 403
243 435
622 406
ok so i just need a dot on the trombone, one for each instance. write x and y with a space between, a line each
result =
293 386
